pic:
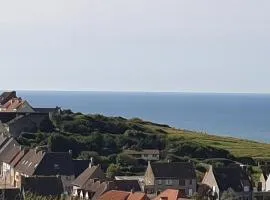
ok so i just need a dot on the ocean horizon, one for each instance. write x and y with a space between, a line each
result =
241 115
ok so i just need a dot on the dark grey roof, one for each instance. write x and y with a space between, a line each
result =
43 185
45 110
126 185
46 163
231 177
55 163
80 166
179 170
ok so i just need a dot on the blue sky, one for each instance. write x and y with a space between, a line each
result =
135 45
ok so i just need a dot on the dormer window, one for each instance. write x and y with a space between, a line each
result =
56 166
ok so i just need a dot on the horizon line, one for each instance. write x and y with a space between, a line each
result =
135 91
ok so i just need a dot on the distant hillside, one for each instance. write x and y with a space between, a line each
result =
110 135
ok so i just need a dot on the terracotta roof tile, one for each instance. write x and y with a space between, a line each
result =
169 194
137 196
115 195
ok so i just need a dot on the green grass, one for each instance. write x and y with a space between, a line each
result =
238 147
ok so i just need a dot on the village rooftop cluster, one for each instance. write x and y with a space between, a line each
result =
40 171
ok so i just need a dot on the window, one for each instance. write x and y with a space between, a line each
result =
190 182
56 166
182 182
168 182
246 188
159 182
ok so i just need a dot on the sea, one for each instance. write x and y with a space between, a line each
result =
244 116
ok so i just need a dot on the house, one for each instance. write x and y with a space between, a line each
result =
123 195
11 194
228 179
16 105
6 96
41 163
29 122
170 194
43 185
87 179
176 175
261 187
145 154
9 157
126 185
9 148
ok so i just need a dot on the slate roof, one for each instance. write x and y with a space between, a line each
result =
144 151
55 163
80 166
231 177
44 110
46 163
126 185
176 170
43 185
90 173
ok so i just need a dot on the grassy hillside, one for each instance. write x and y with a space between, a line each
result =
109 136
238 147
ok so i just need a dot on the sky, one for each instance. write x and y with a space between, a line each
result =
135 45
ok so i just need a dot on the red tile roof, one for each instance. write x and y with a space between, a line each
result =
123 195
169 194
137 196
115 195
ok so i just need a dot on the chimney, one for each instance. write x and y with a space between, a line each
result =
132 191
91 164
36 150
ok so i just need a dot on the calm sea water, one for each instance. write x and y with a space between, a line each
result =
237 115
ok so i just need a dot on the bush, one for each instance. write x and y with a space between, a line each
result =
113 170
126 160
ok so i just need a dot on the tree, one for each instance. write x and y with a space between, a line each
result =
126 160
229 195
46 126
113 170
